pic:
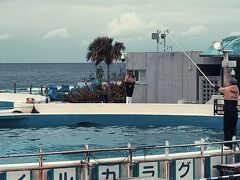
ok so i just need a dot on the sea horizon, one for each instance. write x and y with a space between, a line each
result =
37 74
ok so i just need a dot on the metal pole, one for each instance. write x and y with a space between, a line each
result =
14 88
225 69
87 159
191 60
167 163
40 163
130 170
234 149
41 89
202 158
30 88
222 153
158 40
46 91
164 42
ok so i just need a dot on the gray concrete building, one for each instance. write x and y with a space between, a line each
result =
165 77
170 77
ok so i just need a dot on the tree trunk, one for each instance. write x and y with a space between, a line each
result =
109 83
96 67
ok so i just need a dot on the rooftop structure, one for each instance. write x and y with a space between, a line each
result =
229 43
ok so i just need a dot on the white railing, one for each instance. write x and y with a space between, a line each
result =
88 167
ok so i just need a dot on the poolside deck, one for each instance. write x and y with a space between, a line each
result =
113 114
110 108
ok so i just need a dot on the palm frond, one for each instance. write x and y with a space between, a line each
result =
103 50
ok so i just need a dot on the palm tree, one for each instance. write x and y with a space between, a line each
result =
101 50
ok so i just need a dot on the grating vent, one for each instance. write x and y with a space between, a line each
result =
207 90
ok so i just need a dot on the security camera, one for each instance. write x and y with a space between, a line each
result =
123 57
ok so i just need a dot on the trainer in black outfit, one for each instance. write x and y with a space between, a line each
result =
231 94
129 84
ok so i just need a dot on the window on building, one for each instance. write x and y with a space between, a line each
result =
136 73
140 75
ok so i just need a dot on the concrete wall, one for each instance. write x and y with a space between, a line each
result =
170 77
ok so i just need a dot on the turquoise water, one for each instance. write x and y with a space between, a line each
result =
13 141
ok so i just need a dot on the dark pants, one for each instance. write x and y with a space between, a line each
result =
230 120
129 91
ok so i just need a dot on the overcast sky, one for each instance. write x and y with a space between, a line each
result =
61 30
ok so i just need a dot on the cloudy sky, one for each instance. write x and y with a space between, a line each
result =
61 30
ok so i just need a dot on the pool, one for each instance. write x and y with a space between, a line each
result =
28 140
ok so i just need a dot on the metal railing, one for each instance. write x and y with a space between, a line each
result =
218 106
41 91
130 160
26 88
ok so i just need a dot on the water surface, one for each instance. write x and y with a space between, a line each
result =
28 140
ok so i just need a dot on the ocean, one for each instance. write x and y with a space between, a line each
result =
28 140
37 74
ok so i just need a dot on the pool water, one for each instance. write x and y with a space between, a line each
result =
28 140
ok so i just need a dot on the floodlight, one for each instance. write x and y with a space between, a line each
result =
217 45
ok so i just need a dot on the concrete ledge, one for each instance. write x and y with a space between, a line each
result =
108 108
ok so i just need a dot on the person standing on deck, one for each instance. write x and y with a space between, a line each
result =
129 85
231 94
